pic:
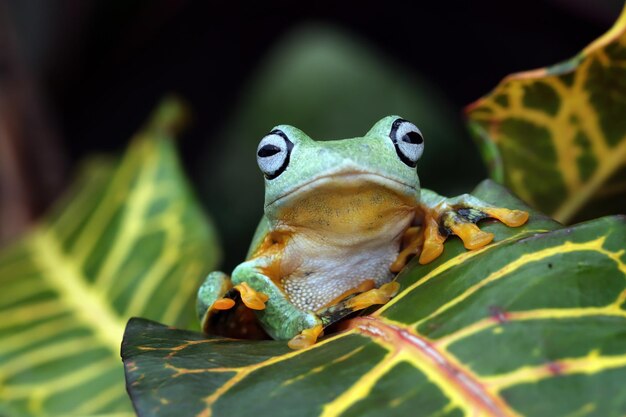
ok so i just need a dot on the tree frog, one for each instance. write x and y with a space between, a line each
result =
342 217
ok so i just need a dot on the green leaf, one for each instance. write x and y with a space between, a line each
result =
530 325
557 136
127 239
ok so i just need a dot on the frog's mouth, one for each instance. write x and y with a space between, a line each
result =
347 181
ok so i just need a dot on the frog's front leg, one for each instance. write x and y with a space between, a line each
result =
212 297
458 215
279 317
441 217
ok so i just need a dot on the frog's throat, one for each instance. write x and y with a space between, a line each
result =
346 177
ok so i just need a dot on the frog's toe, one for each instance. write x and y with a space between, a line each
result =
223 304
212 297
459 215
474 210
412 243
253 299
356 302
512 218
470 234
433 240
306 338
373 297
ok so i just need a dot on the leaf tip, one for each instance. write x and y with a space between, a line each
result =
172 116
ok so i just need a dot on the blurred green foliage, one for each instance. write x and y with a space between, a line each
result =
128 239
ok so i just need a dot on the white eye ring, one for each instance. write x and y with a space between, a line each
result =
273 153
408 141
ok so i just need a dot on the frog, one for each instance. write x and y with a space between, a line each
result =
341 219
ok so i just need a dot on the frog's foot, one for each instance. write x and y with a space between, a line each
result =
373 297
412 243
211 296
512 218
253 299
364 286
221 311
458 216
360 301
306 338
223 304
365 297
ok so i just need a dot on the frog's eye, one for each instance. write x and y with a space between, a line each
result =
273 152
408 141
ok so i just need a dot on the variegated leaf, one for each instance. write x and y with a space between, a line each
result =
532 325
128 239
557 136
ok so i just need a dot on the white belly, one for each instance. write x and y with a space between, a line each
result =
340 235
320 273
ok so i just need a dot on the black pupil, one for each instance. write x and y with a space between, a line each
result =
268 150
413 137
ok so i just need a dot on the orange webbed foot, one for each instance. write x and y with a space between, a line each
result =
412 243
252 299
444 216
306 338
470 234
433 239
223 304
512 218
373 297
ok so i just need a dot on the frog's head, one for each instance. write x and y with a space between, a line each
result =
380 164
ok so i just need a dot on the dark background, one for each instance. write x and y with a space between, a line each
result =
79 77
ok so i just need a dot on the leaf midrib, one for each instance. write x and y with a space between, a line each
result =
576 200
463 383
64 276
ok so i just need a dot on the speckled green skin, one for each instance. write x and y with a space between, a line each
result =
309 160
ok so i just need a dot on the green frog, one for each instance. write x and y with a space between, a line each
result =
341 218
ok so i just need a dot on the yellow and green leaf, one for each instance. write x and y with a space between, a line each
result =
557 136
128 239
532 325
